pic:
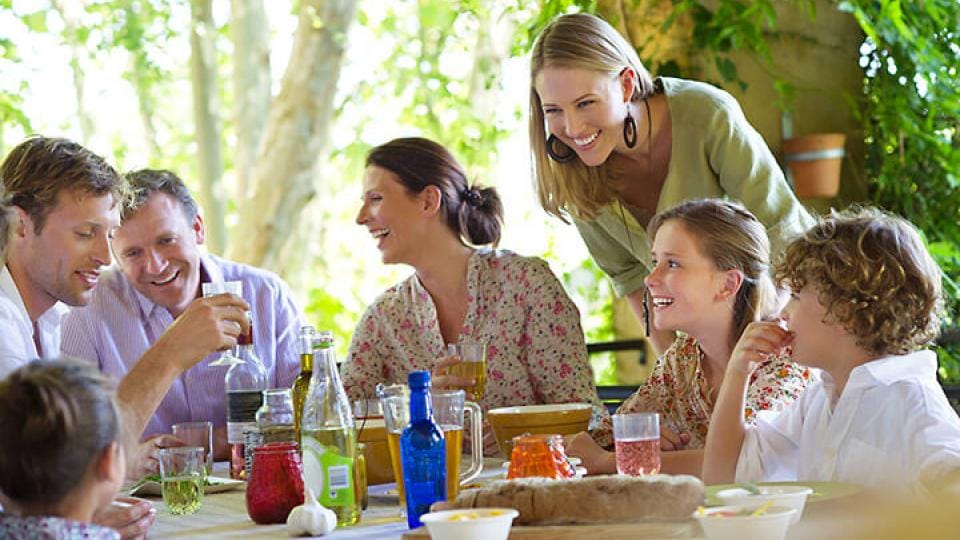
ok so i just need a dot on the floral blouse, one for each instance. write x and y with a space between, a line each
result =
51 528
677 388
535 346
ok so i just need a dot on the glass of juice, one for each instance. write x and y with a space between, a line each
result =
636 438
182 474
472 365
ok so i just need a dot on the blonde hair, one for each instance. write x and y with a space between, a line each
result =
734 239
873 276
579 41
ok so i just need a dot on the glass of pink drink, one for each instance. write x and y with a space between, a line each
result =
637 441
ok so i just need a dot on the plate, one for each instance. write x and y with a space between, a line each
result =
822 491
216 484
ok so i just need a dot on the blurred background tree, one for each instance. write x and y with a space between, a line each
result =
267 110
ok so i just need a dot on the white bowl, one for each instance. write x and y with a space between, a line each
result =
771 525
790 496
470 523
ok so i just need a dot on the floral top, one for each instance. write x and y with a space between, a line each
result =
677 388
51 528
535 347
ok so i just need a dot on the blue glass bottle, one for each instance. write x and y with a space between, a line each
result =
423 452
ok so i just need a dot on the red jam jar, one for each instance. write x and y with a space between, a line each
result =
539 455
275 485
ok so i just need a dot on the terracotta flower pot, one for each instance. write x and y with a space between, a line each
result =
814 163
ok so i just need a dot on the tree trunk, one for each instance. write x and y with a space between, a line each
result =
203 77
251 85
296 135
70 32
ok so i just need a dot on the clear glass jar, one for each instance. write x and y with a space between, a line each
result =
275 416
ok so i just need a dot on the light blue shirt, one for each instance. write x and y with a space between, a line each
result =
120 324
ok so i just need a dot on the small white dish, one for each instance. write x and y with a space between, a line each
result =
214 484
470 523
789 496
738 523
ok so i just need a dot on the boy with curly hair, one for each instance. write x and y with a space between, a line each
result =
866 298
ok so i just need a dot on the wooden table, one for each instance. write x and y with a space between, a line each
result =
224 515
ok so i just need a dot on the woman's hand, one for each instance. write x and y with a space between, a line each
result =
594 458
440 379
760 341
670 441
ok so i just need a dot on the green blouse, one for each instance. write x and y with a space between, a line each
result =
715 153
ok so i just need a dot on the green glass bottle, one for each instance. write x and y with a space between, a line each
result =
329 438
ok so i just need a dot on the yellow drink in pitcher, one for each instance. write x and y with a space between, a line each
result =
453 439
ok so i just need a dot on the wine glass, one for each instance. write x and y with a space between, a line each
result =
214 288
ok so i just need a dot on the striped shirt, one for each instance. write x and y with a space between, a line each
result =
119 324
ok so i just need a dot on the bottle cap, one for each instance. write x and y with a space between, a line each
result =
418 379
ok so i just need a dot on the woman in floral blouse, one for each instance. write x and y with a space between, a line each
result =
419 208
710 280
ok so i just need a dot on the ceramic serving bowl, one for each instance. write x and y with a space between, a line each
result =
559 418
470 523
739 522
789 496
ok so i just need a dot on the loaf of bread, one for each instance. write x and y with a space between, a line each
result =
594 499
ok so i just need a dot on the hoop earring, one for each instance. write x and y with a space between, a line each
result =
629 131
559 157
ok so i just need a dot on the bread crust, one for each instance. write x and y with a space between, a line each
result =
594 499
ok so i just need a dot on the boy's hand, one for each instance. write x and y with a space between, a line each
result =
760 341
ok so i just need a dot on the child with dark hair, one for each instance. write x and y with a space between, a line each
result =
866 299
66 460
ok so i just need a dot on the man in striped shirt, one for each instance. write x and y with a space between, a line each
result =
157 278
58 209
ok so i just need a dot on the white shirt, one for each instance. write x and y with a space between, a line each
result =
891 427
16 330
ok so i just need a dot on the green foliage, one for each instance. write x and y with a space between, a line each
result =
732 25
591 289
911 115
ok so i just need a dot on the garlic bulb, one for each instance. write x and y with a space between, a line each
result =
311 518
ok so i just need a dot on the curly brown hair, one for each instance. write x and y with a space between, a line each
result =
873 276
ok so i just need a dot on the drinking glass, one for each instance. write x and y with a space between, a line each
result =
197 434
182 478
276 482
214 288
449 407
472 364
636 437
395 402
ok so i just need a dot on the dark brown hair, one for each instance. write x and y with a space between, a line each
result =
474 214
734 239
873 276
56 417
38 169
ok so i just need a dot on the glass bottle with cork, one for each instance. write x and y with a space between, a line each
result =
329 438
245 382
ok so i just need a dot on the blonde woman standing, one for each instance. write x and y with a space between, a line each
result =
612 147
